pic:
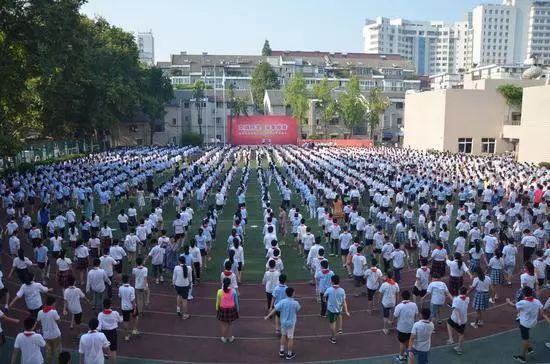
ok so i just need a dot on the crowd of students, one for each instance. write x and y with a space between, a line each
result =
383 211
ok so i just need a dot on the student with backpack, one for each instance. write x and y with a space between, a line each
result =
227 309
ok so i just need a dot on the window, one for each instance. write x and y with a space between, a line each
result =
218 121
487 145
465 145
186 105
174 121
398 105
399 121
219 104
186 118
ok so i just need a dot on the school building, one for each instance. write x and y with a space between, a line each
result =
478 120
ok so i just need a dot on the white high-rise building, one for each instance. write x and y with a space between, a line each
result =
506 33
433 47
146 47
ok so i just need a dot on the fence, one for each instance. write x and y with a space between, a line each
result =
49 150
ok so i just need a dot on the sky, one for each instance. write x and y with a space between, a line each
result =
241 26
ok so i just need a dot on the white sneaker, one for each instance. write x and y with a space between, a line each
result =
450 342
190 297
491 300
547 345
223 339
231 339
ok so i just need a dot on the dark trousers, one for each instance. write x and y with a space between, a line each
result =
527 253
269 297
197 266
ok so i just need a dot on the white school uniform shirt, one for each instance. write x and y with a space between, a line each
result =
29 343
130 243
495 263
359 262
239 255
454 270
32 291
482 286
127 295
527 280
48 320
387 249
140 274
490 244
459 244
92 345
21 264
509 253
73 295
232 277
373 275
438 290
389 292
424 247
405 312
195 255
117 252
271 280
529 312
398 258
529 241
178 279
422 330
422 278
308 240
268 238
56 243
278 264
97 278
108 320
106 262
460 306
540 268
157 255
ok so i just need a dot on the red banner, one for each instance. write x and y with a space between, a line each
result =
261 129
339 142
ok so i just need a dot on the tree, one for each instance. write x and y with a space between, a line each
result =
376 104
263 78
198 95
296 95
513 95
156 92
352 107
322 91
266 50
237 106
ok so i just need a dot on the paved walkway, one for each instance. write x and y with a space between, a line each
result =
497 348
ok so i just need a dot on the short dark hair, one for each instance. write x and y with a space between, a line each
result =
93 324
64 357
335 279
425 313
29 323
289 292
406 295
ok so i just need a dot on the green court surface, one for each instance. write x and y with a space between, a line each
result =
497 348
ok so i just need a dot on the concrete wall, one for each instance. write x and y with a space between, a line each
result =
132 134
424 120
474 114
534 145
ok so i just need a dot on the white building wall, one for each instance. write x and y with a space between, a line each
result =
146 47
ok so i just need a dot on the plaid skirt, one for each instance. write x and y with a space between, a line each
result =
481 300
81 263
438 266
227 314
474 264
496 276
454 285
63 277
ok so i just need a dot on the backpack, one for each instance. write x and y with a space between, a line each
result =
227 299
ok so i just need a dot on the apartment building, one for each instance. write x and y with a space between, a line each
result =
506 33
146 47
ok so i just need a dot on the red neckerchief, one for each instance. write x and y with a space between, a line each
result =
424 268
358 254
227 273
462 297
325 271
390 281
28 333
526 271
335 286
47 309
321 258
107 311
438 248
405 301
529 299
374 269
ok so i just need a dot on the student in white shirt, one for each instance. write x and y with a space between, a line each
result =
108 325
72 296
182 280
373 277
458 319
93 346
270 281
141 286
197 261
239 258
438 291
359 263
421 338
509 253
389 290
28 343
96 283
528 309
406 313
157 254
31 291
49 319
482 287
127 295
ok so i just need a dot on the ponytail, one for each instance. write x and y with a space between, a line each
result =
480 274
458 258
21 254
478 246
226 283
183 266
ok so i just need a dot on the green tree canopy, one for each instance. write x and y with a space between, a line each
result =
512 93
352 107
322 91
297 97
263 78
376 105
266 50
